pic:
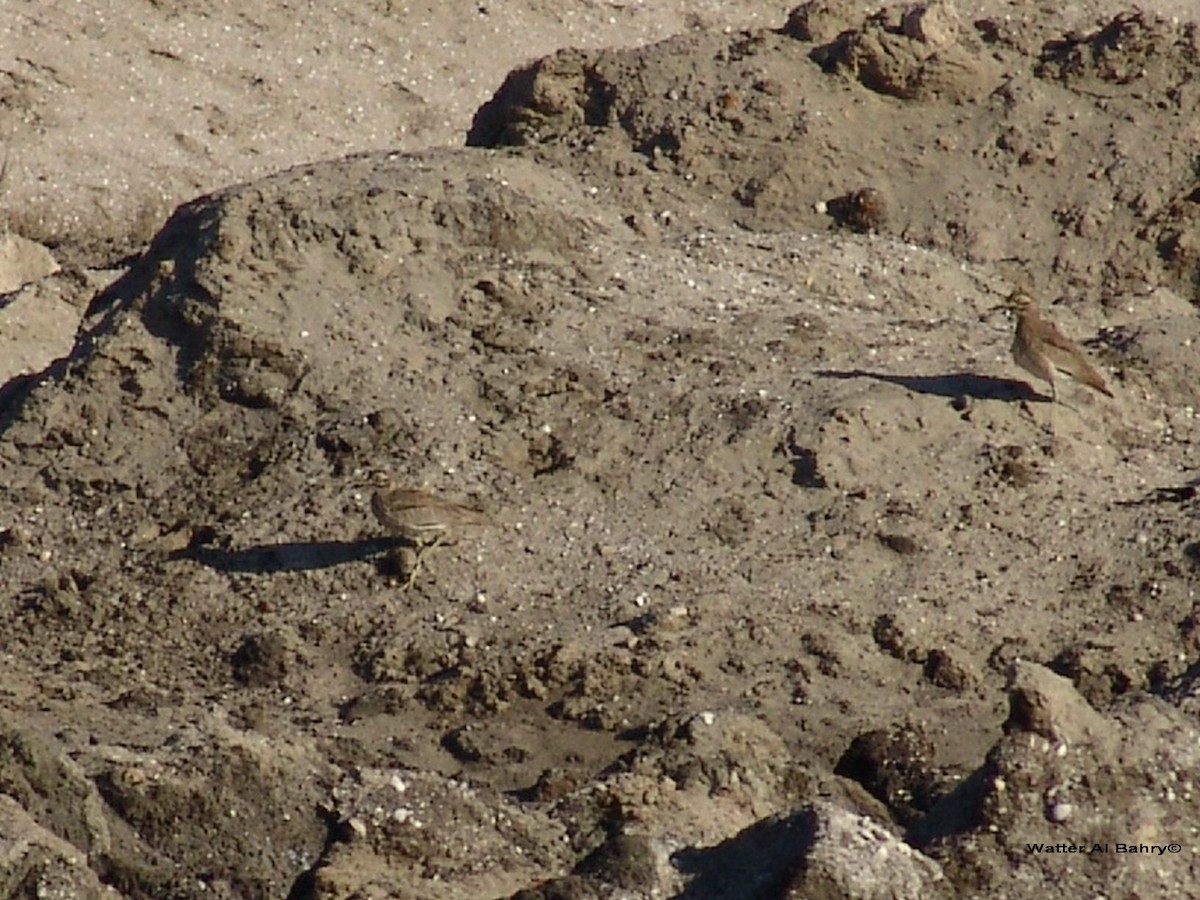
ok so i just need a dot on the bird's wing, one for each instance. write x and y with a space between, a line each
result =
1067 356
1055 338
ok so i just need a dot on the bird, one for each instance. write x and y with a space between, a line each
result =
1040 348
422 519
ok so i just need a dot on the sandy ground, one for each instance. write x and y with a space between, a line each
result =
794 585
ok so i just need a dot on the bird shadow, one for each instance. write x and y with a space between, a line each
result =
293 556
951 385
1182 494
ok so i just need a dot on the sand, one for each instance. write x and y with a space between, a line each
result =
797 585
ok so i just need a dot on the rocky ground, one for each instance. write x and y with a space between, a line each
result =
795 586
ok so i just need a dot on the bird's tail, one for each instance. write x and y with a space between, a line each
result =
1092 378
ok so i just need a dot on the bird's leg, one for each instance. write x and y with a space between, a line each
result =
412 577
436 542
422 549
1053 405
413 565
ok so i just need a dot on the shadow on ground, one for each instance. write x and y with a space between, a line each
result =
953 385
289 557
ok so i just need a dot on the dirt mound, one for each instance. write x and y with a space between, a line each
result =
994 159
785 551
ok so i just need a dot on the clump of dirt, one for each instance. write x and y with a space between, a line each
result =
922 52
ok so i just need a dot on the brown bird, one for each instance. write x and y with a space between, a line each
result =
1040 348
422 519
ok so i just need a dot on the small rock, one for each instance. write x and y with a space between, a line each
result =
1048 704
899 543
1059 811
936 24
942 669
